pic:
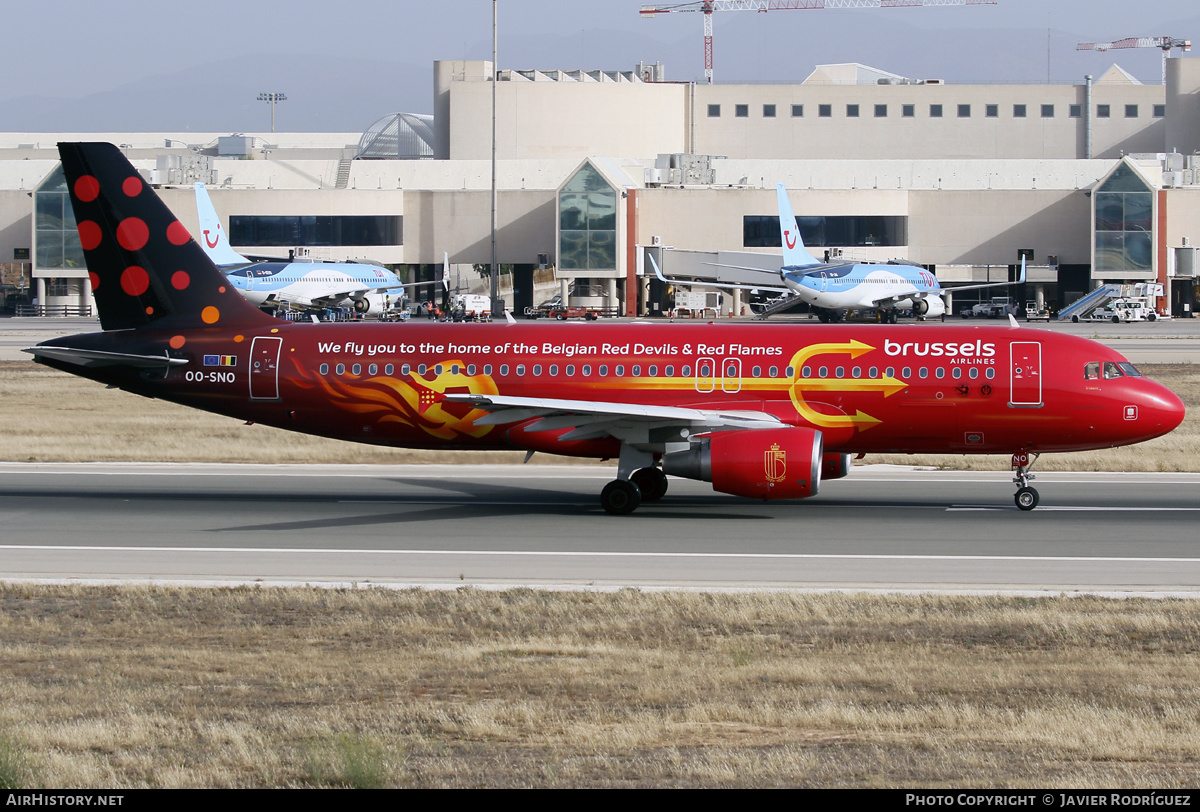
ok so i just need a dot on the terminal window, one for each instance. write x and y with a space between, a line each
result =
881 111
1018 111
992 110
824 110
741 110
768 111
851 111
964 111
1075 111
1103 111
304 230
1160 110
797 111
714 111
762 231
1131 111
908 110
1047 111
935 111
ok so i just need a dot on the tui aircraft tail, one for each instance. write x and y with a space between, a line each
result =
794 253
216 246
145 268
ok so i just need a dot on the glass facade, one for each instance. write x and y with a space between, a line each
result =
762 231
305 230
1124 224
587 222
56 240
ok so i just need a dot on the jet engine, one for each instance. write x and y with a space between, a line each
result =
835 466
761 464
931 306
362 305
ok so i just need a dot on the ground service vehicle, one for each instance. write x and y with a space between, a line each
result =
760 411
1125 310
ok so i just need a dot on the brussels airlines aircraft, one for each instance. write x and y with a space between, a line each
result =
285 282
834 288
761 411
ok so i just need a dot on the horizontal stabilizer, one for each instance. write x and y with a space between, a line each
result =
99 358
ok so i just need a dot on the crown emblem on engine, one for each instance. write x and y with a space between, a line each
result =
775 463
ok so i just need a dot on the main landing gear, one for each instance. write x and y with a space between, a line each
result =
638 480
1026 497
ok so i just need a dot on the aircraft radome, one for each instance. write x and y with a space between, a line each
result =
760 411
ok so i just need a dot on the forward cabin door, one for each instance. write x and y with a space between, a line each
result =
1025 375
264 368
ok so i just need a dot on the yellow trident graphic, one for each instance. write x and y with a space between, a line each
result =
859 420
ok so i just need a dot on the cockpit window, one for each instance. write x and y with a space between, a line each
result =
1091 371
1112 370
1129 369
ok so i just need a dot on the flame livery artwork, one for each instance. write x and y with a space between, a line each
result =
761 411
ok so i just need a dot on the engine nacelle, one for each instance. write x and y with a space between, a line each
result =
361 305
835 466
932 306
762 464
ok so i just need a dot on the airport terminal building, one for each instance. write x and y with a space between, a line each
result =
1097 182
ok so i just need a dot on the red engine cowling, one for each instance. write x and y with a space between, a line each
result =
835 466
767 464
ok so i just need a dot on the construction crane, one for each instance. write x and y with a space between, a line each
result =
1165 43
707 7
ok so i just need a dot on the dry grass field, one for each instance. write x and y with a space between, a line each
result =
248 687
51 416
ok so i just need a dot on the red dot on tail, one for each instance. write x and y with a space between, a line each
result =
87 188
135 280
177 234
95 280
180 280
132 233
89 234
177 342
149 311
132 186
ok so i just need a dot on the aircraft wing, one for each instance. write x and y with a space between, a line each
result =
727 286
629 422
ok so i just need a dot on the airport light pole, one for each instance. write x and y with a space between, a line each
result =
497 307
272 98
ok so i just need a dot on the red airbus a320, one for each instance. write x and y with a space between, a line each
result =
761 411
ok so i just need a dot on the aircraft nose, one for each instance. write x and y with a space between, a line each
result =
1163 409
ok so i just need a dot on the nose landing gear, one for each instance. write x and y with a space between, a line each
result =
1026 497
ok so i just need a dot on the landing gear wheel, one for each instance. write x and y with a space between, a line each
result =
651 482
620 497
1026 498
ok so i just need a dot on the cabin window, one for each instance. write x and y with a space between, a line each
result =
805 372
774 372
686 371
520 369
823 372
705 370
652 371
991 373
923 372
537 369
587 370
637 371
840 372
874 372
791 372
940 372
324 369
341 369
669 370
957 373
974 373
619 370
422 369
405 370
756 372
554 370
603 370
504 369
454 369
856 372
373 369
907 372
731 371
356 369
487 369
470 369
570 370
437 369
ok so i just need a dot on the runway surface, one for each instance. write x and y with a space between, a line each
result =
881 528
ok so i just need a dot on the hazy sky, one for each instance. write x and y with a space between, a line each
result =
62 51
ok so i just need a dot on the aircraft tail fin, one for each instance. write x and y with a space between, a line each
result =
794 253
144 266
215 244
